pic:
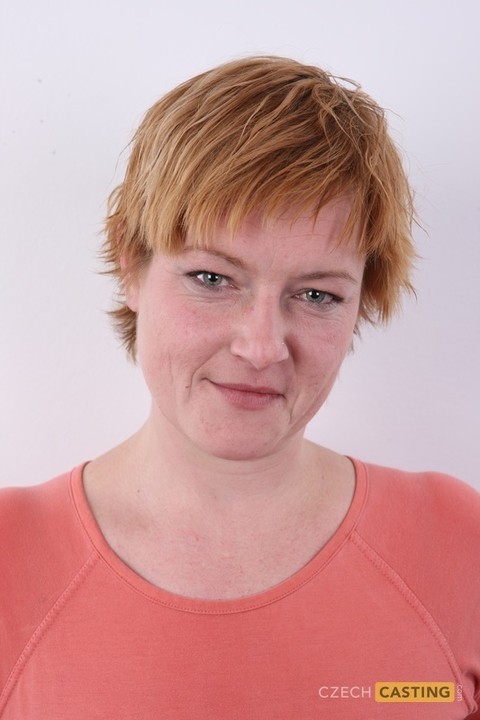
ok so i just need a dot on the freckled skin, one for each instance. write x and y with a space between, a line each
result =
242 313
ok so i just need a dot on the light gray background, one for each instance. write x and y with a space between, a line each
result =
76 78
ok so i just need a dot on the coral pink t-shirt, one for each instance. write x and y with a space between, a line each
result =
393 597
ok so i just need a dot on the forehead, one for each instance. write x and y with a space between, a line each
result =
289 247
288 234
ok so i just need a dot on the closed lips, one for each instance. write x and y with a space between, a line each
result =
261 390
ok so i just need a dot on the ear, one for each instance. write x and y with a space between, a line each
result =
130 285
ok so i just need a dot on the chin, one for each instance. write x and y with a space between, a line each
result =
238 453
238 450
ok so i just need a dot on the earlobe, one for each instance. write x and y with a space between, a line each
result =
131 295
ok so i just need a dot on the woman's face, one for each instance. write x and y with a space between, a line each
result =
240 343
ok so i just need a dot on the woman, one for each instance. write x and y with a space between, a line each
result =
217 564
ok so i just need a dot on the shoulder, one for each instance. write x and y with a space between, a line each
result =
426 503
25 511
40 533
42 548
423 531
21 500
39 522
426 527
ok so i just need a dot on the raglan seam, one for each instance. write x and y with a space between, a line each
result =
414 601
43 627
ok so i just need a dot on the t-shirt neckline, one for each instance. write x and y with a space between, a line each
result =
218 607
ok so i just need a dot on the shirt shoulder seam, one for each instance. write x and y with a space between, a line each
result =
42 628
415 603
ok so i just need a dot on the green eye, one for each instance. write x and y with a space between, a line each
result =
317 296
211 279
321 298
208 279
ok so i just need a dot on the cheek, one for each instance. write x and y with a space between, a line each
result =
153 346
322 354
172 343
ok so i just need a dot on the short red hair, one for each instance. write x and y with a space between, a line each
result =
262 134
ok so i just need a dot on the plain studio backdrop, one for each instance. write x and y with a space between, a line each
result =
76 78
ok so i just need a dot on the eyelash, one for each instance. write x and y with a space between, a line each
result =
196 273
332 302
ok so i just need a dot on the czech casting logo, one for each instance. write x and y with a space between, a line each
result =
395 692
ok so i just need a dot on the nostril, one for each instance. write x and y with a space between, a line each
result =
259 351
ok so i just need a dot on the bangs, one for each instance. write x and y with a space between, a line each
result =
265 136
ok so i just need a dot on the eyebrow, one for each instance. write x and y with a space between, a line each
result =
210 251
326 274
318 275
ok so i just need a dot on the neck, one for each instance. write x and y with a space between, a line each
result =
169 472
210 527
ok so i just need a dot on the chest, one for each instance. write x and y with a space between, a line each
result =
221 565
313 648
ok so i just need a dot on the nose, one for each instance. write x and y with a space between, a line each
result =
259 336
